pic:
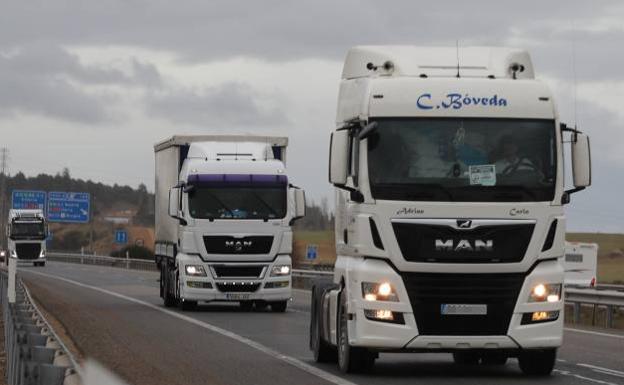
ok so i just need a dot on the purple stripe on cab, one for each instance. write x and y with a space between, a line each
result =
238 178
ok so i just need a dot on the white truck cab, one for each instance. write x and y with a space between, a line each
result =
224 210
27 232
448 168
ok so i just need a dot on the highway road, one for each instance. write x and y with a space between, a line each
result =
115 316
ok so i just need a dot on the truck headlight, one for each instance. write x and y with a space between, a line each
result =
379 291
195 270
550 292
280 270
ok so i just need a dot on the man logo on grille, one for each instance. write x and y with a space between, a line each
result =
464 245
238 245
464 223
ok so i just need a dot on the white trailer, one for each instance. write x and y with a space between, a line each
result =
449 175
27 231
580 264
224 210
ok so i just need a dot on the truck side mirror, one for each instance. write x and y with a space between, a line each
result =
581 160
339 157
174 204
300 203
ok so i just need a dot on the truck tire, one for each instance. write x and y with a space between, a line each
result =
466 358
279 306
537 362
168 298
351 359
323 351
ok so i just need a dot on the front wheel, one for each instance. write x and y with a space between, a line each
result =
351 359
323 351
168 298
537 362
279 306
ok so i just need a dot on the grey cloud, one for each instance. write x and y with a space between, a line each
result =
231 105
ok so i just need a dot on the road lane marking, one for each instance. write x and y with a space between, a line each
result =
603 370
567 373
594 333
226 333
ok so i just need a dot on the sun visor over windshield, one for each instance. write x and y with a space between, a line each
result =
238 179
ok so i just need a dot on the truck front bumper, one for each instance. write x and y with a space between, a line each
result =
405 335
212 287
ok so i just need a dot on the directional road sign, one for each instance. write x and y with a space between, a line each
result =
121 236
69 207
24 199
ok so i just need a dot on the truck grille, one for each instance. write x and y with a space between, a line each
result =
225 244
508 243
428 291
237 287
27 250
229 271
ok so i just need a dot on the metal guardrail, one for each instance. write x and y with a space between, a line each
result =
85 259
611 300
35 354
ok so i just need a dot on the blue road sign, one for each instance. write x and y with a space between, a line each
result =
311 252
69 207
23 199
121 236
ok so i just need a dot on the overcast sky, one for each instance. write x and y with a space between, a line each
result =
91 85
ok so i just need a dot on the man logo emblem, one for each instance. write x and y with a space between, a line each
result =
464 223
238 245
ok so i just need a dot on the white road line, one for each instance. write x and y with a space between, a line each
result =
567 373
264 349
604 370
594 333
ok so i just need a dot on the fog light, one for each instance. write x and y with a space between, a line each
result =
276 285
384 315
199 284
539 316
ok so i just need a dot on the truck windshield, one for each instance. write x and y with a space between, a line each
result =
463 160
237 202
27 230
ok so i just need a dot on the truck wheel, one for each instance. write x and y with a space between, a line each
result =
494 358
187 305
279 306
168 298
537 362
246 305
466 358
351 359
323 351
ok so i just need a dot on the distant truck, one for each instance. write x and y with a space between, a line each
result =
224 210
580 264
450 225
27 232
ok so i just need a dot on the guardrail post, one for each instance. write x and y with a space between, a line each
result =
609 317
577 313
12 272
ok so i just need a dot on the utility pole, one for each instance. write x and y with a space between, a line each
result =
4 160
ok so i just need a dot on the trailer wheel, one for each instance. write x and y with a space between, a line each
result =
323 351
351 359
537 362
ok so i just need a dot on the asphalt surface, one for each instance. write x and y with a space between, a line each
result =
116 316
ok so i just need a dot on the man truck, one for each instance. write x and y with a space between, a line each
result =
449 173
27 232
224 210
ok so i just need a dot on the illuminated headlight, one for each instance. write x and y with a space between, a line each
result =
546 293
2 253
279 270
195 270
383 291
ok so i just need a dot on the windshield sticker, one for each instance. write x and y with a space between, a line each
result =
458 101
482 175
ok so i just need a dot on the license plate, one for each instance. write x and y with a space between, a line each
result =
237 296
463 309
